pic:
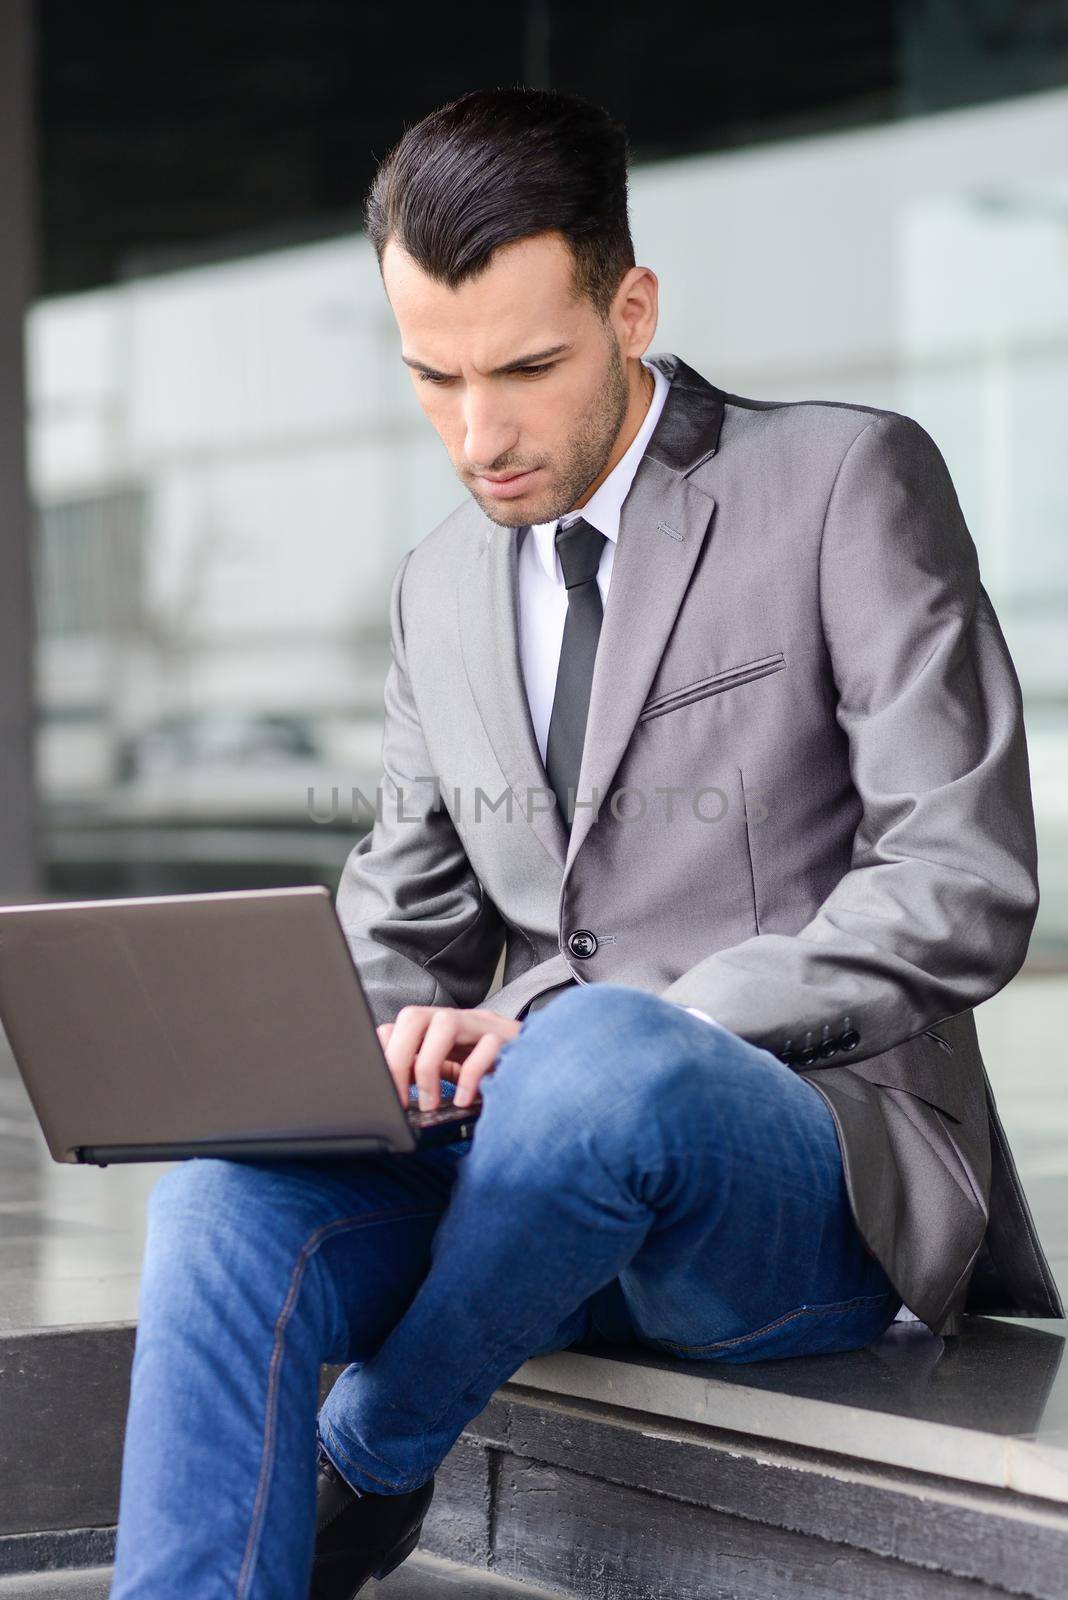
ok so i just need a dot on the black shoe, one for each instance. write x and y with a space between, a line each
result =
361 1536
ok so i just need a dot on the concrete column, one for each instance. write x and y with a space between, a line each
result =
19 874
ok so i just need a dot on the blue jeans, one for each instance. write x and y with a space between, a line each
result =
635 1175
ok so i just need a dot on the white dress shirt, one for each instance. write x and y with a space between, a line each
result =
542 607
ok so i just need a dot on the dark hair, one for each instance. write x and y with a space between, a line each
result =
496 165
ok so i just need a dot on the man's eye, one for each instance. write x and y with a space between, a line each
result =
440 378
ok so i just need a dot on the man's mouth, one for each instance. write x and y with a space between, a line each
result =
508 485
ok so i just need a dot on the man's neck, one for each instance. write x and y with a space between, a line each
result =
642 389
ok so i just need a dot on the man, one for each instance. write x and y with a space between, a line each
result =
699 714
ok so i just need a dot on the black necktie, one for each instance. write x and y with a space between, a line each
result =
580 547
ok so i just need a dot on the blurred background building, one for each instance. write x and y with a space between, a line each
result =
225 458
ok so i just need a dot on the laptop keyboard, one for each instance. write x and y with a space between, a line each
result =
443 1113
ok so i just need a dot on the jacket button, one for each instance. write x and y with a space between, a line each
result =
849 1039
810 1053
582 943
828 1046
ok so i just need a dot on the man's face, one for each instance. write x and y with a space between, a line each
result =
520 378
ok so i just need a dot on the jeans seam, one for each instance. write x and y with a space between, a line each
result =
308 1249
493 1357
329 1436
799 1311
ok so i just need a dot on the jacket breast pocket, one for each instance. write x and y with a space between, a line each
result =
714 683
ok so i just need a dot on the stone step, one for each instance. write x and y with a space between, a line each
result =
915 1467
422 1577
603 1500
84 1583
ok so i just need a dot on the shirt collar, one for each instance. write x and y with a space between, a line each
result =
602 510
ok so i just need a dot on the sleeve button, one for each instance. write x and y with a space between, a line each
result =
849 1040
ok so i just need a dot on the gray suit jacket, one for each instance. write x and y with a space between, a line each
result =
797 644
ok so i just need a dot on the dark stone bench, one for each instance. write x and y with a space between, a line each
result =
912 1467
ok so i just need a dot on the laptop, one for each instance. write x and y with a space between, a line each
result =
170 1026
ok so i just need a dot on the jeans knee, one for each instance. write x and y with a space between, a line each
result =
226 1241
598 1017
578 1052
199 1190
206 1214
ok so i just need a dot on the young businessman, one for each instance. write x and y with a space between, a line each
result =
754 836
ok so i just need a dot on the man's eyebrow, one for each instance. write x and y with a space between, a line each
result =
498 372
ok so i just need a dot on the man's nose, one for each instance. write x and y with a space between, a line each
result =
488 435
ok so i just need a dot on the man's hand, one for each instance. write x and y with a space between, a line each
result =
438 1042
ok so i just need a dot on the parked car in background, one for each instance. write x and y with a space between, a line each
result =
217 799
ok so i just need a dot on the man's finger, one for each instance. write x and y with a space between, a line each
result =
401 1078
481 1060
384 1030
438 1041
406 1035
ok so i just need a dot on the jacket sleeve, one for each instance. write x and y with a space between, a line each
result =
936 910
418 923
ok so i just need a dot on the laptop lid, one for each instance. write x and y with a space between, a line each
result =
166 1022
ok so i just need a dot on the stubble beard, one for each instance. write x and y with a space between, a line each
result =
591 447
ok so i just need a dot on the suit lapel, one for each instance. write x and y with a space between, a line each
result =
650 573
663 526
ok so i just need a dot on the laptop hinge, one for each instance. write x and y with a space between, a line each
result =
102 1155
